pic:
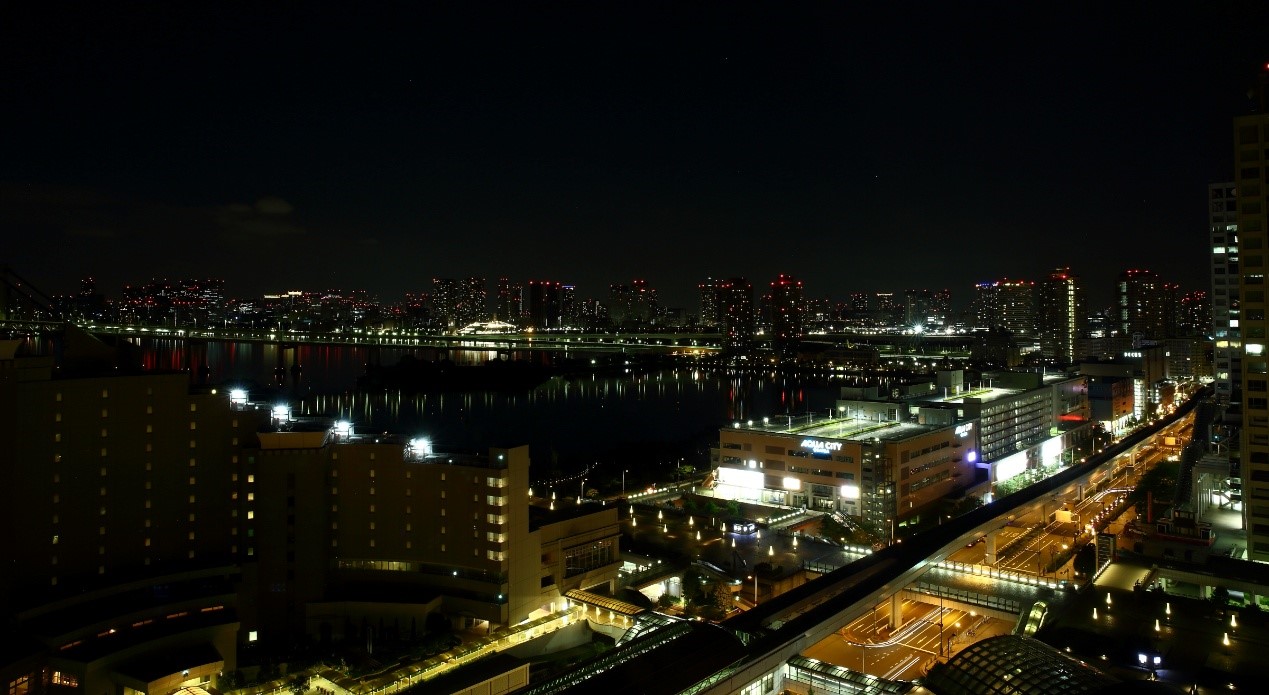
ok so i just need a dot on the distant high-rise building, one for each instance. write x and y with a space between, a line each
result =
1222 226
460 302
738 319
709 291
416 310
787 312
926 308
888 309
632 305
477 304
178 302
592 313
941 305
1251 174
853 311
509 304
87 305
545 304
1009 304
446 297
916 305
570 307
1142 303
1060 315
818 313
1194 315
1172 310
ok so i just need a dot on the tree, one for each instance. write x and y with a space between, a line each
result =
692 585
1220 595
966 504
722 597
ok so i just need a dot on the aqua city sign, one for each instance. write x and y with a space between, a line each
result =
821 447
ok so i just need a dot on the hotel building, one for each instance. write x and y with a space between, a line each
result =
382 531
1024 420
156 529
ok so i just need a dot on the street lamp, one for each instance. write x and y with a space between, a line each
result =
940 624
754 577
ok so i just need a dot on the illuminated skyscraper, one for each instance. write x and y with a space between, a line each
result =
1060 315
570 307
1194 314
632 305
509 304
460 302
737 316
1251 172
1006 303
711 302
1142 304
888 308
787 312
1222 226
926 309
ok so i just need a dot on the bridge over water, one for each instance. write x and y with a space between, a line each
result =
666 343
658 343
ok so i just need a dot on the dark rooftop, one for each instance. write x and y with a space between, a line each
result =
663 661
540 516
1015 664
154 666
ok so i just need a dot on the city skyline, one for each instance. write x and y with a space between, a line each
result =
481 298
853 148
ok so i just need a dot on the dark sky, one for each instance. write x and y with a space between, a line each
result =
858 146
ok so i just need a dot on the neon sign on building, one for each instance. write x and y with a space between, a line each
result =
820 446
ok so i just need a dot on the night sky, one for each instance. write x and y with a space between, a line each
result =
858 146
